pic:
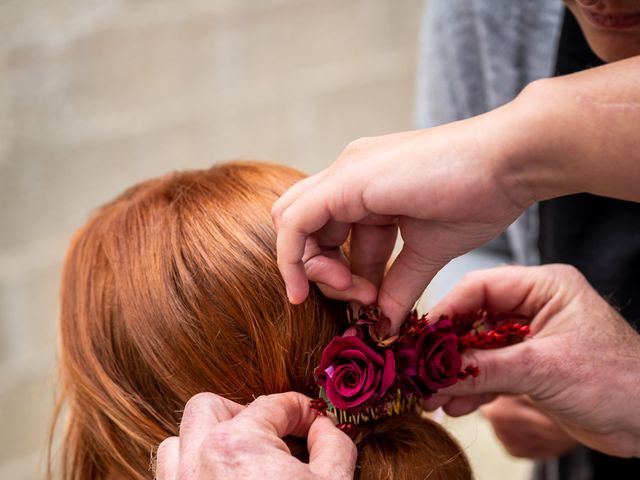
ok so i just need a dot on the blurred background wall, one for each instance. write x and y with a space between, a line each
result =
98 94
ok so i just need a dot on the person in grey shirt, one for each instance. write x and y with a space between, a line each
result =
477 56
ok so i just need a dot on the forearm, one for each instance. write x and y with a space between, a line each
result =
578 133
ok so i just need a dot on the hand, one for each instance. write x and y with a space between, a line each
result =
580 367
447 190
452 188
221 439
525 431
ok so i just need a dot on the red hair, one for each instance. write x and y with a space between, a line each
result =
173 289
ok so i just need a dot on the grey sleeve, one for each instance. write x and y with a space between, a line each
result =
475 56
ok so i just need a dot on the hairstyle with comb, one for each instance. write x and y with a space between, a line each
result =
173 289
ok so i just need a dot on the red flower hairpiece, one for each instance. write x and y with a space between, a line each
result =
364 376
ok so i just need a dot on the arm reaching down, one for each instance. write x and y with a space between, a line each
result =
452 188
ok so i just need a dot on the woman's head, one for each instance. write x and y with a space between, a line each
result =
173 289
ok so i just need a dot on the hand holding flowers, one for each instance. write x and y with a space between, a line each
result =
579 367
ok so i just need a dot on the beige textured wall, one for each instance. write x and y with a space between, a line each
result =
97 94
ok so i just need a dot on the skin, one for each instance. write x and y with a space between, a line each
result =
222 439
608 43
578 367
448 190
522 429
452 188
525 431
564 369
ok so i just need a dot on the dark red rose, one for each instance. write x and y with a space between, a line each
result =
352 373
431 361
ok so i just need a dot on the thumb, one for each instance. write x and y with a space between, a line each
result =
405 281
168 459
515 369
332 454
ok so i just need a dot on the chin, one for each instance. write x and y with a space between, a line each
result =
608 43
613 47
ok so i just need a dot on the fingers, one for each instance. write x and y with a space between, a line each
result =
312 210
292 194
361 291
459 406
330 271
526 431
506 289
280 414
497 289
434 402
370 249
508 409
332 454
357 278
514 369
219 438
200 413
325 263
290 247
167 459
403 285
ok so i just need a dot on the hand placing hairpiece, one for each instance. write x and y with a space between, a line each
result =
365 376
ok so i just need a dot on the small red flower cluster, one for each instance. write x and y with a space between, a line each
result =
366 375
485 330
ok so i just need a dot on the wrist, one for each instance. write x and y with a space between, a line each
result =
534 156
